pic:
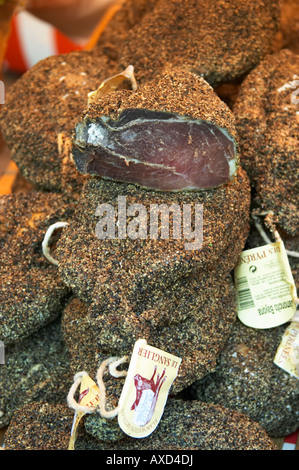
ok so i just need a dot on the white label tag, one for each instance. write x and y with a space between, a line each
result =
150 375
265 287
287 355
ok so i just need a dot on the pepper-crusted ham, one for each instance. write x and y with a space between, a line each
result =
172 134
158 150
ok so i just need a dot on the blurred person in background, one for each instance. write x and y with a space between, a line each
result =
31 30
40 28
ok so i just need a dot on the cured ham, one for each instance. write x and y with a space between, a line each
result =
155 149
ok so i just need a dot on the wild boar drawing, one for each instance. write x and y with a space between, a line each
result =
147 392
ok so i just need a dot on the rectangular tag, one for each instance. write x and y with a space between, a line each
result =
89 396
287 355
150 375
265 286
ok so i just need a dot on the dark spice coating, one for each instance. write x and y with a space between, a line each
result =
143 265
40 426
219 40
102 429
32 292
174 90
247 380
35 369
192 321
193 425
183 426
289 25
119 27
81 342
149 263
267 124
45 102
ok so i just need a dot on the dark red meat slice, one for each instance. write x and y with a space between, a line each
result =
157 150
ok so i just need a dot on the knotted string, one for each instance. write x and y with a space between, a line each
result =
111 363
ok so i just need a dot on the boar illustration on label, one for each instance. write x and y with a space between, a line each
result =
150 375
147 392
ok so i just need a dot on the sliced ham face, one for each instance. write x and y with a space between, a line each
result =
157 150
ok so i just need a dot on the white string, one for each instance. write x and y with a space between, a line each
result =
70 397
112 363
277 237
113 367
261 231
45 243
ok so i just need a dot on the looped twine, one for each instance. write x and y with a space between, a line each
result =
46 240
111 363
271 226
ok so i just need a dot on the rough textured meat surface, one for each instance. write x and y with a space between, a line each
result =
44 105
266 113
247 380
219 40
184 425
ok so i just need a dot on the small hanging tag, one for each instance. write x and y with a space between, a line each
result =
89 397
112 83
265 286
287 354
150 375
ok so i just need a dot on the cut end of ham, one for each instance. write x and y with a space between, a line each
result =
157 150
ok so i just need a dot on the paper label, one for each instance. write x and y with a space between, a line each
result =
89 396
150 375
287 355
265 287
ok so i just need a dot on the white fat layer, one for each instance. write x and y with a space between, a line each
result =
97 135
232 163
232 167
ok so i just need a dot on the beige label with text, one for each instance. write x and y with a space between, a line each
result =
265 287
287 354
150 375
89 396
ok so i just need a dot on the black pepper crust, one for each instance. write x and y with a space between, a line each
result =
174 90
226 208
124 20
193 321
32 292
267 125
141 287
247 380
184 426
45 102
219 40
36 368
85 261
